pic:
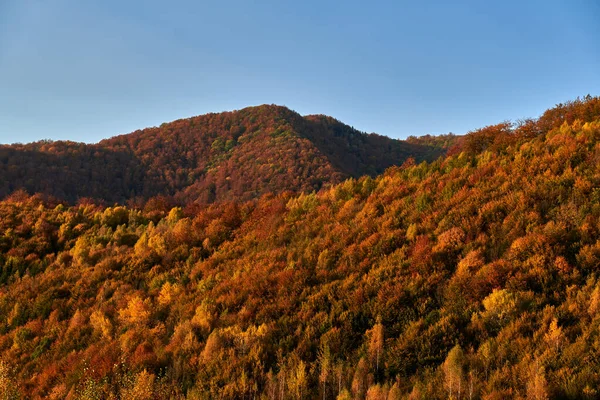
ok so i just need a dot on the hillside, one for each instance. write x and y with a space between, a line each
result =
236 155
474 276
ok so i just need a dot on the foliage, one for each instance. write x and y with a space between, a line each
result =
236 155
474 276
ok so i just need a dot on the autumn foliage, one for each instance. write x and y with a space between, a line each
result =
474 276
236 155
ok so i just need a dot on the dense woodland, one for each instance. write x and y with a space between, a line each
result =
475 276
236 155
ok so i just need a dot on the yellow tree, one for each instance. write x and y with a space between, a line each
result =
537 386
325 367
554 337
453 369
375 350
8 388
101 324
298 380
137 312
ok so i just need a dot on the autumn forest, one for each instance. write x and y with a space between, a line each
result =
261 254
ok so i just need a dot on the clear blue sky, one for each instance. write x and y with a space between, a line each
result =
86 69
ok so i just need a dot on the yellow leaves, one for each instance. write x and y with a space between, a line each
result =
588 257
168 293
248 344
175 215
360 379
114 217
533 244
594 305
344 395
554 337
412 231
375 346
81 250
8 387
298 379
15 314
395 392
537 386
453 368
377 392
325 260
157 243
500 305
299 206
58 392
141 248
151 244
101 324
183 231
142 388
204 318
137 312
349 209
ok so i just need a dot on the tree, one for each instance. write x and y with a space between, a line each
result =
500 306
8 388
325 364
137 312
537 386
344 395
376 341
142 387
360 379
101 324
554 337
453 369
298 380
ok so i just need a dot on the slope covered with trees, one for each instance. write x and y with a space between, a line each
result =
474 276
214 157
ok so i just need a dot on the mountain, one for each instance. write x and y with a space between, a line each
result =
214 157
473 276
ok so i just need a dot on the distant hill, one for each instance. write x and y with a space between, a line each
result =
235 155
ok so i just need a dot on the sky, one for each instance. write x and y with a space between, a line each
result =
85 70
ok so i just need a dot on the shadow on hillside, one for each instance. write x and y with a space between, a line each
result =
71 171
356 153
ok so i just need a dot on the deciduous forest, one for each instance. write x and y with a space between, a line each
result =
469 271
236 155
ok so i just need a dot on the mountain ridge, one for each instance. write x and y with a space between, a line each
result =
238 155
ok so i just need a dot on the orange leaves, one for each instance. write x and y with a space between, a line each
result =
493 137
137 312
421 251
213 346
498 253
450 240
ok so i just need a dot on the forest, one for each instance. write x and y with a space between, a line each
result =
238 155
474 275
